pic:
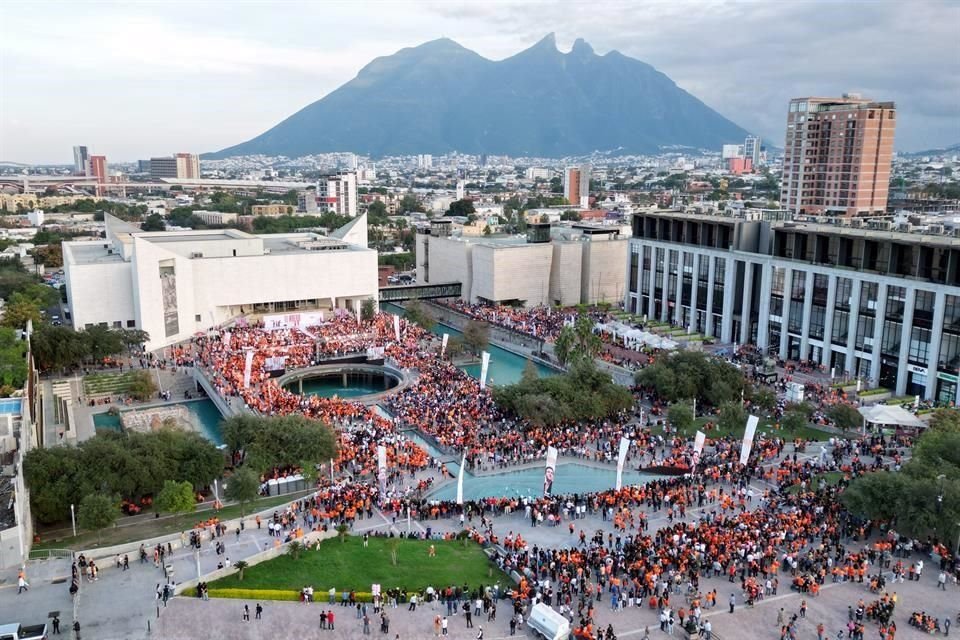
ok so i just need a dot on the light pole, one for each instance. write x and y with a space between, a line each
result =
941 478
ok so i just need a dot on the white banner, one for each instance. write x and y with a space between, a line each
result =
248 369
698 447
484 366
621 460
375 353
276 363
443 345
382 471
550 471
292 320
226 340
396 328
752 423
463 464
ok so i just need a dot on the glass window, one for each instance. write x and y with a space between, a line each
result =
817 319
868 297
634 269
796 316
864 339
919 352
777 282
798 286
923 309
891 338
895 301
844 291
841 320
950 353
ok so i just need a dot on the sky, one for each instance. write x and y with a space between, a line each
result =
138 79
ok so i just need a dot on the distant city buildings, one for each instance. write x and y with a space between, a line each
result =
81 160
181 165
424 161
751 149
338 194
98 169
537 173
277 209
837 156
576 185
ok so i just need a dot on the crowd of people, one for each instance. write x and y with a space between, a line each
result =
753 538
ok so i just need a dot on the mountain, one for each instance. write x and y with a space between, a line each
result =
441 97
943 151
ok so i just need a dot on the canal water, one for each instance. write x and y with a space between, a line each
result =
506 367
204 413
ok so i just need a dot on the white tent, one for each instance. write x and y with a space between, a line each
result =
884 414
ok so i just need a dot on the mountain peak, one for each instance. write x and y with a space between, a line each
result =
581 48
541 102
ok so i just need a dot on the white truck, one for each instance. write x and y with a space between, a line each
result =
548 623
17 631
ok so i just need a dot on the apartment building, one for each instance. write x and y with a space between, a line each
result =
856 297
837 156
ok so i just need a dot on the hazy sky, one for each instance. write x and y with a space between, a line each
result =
136 79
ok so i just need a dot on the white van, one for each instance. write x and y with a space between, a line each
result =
548 623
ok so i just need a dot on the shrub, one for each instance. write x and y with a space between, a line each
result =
285 595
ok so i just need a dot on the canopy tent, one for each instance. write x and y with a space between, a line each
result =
884 414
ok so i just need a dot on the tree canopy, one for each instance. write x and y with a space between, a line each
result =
924 498
583 393
693 374
128 464
293 441
577 341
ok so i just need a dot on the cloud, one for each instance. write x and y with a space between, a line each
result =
134 79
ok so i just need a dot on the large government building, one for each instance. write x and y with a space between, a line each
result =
852 296
173 284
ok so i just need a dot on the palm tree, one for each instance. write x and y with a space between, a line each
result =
295 549
240 565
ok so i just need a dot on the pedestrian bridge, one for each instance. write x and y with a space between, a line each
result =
401 293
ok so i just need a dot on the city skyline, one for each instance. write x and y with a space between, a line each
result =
205 88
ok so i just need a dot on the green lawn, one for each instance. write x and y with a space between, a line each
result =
829 479
766 426
129 530
107 383
348 565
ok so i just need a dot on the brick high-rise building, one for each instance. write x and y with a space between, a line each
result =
188 166
837 156
576 185
98 169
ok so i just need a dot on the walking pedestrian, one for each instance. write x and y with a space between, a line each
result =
56 625
246 613
444 623
259 611
733 602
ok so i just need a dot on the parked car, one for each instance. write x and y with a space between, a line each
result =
17 631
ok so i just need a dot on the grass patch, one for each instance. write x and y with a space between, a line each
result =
766 425
829 479
899 400
107 383
130 530
873 392
348 565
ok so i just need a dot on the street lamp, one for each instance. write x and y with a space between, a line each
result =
941 478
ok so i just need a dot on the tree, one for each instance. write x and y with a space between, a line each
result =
292 441
461 208
153 222
13 360
794 421
530 374
681 416
764 399
294 549
243 488
240 566
342 531
409 202
693 374
845 417
238 432
476 336
732 417
368 309
142 386
176 498
97 512
377 213
20 311
418 314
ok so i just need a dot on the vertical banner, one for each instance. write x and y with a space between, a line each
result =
698 447
484 366
550 471
443 346
463 464
226 340
752 423
621 460
396 328
382 471
248 369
